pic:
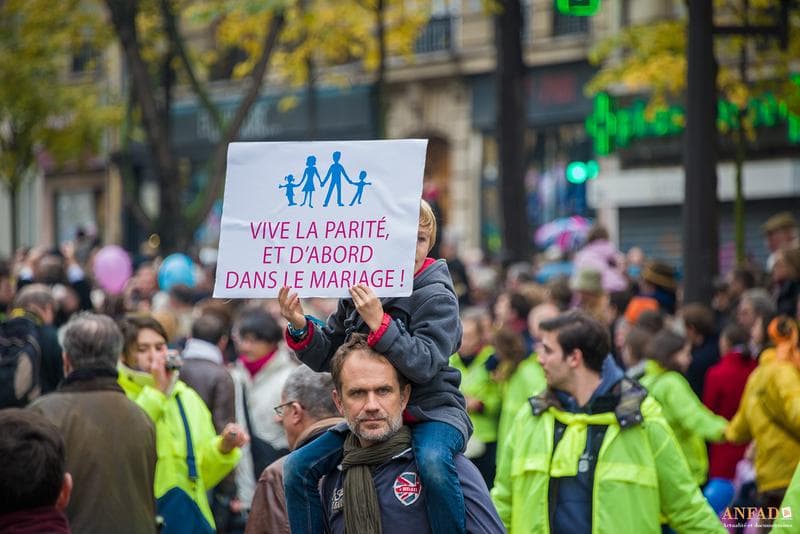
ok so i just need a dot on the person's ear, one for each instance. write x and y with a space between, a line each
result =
297 414
64 494
338 402
66 363
576 358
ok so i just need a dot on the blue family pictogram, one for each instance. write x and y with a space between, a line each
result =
289 186
333 178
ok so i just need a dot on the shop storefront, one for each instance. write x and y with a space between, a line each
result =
556 110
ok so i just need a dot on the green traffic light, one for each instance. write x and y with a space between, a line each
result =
578 171
578 8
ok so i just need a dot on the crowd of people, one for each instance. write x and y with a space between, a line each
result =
492 399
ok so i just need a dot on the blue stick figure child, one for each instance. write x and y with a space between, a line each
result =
308 180
362 182
289 186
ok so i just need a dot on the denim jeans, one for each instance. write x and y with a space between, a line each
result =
435 446
303 470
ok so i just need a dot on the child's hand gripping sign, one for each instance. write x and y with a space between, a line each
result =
320 217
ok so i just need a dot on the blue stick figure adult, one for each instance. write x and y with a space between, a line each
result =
361 184
289 186
308 180
335 173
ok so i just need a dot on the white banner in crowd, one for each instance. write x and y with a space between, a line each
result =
320 217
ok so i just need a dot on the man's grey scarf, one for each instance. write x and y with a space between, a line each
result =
362 513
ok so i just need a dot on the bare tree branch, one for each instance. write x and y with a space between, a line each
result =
201 206
173 31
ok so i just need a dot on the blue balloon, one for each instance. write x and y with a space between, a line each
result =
176 269
719 493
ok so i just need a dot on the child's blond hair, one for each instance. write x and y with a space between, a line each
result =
427 220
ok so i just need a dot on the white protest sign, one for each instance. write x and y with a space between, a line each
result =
320 217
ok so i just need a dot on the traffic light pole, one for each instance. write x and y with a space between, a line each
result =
700 209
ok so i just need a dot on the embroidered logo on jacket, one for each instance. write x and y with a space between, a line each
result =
337 500
407 488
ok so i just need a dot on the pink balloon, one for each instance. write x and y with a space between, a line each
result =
112 268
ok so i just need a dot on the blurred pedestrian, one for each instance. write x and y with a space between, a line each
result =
634 351
768 413
59 269
698 320
511 309
735 284
305 412
519 373
204 370
601 255
7 287
35 302
722 393
588 295
458 271
668 357
192 458
754 303
260 372
780 231
476 361
658 280
786 281
34 484
110 442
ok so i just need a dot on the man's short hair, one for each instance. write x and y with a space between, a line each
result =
700 317
637 339
577 330
357 342
761 301
38 295
33 464
209 327
314 392
427 220
745 276
92 341
520 304
663 347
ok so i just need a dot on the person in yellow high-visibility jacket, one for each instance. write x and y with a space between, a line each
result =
481 392
182 480
691 421
592 453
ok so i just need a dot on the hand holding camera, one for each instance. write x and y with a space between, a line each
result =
163 367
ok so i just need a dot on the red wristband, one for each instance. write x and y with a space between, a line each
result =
375 336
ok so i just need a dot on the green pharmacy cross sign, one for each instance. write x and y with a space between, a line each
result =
578 8
612 127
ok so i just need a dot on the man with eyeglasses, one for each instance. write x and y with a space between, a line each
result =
306 411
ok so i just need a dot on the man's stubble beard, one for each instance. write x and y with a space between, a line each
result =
395 423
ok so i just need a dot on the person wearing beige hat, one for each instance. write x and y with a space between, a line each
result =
780 232
589 295
659 282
